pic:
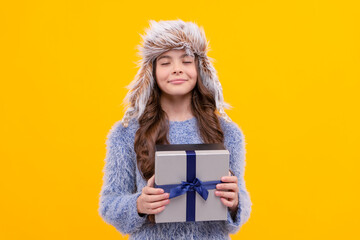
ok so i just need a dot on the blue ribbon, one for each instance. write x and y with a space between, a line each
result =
192 185
197 185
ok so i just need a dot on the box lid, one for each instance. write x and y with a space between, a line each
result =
187 147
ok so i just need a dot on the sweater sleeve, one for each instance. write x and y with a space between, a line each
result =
236 147
119 192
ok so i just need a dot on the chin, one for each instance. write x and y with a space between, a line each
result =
177 93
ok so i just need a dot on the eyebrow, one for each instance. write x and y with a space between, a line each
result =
167 56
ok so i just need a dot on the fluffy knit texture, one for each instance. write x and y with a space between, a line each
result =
123 183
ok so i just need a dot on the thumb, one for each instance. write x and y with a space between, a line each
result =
151 181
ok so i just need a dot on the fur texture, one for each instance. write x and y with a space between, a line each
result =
163 36
123 184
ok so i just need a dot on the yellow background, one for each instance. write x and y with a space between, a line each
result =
290 69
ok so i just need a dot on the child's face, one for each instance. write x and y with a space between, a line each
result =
175 64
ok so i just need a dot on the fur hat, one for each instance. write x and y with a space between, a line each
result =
161 37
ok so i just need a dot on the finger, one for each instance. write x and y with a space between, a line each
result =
227 202
155 205
227 186
233 179
156 198
157 210
153 191
151 181
230 195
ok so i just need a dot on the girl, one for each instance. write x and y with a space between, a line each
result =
175 98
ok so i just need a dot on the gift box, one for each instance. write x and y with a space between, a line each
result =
190 172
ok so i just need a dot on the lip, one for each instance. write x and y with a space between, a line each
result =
177 81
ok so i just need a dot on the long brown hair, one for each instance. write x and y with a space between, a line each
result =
154 124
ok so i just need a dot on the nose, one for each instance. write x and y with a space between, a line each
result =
177 68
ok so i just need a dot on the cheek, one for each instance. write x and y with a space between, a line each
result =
193 73
161 75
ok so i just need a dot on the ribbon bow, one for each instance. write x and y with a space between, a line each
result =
184 187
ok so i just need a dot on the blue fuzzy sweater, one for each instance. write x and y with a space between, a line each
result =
122 184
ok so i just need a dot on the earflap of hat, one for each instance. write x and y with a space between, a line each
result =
211 82
139 92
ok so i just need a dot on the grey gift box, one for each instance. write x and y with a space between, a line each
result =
212 162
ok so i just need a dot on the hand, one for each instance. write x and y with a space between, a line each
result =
228 192
152 200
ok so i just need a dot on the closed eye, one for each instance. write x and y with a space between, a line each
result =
169 63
